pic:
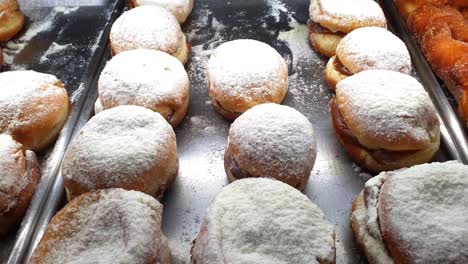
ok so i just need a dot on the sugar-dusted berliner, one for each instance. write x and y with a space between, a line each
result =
148 78
259 220
105 226
129 147
179 8
20 174
414 215
364 49
33 107
385 120
244 73
331 20
274 141
149 27
11 19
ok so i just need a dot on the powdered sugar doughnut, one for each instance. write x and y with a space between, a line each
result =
271 140
148 78
105 226
128 147
331 20
243 73
385 120
365 49
414 215
33 107
18 180
259 220
149 27
179 8
11 19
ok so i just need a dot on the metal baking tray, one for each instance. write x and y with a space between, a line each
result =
202 136
67 42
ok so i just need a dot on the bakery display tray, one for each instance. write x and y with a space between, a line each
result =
64 38
202 136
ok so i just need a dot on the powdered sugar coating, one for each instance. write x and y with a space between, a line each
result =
346 15
426 211
109 226
388 108
248 72
373 48
273 140
147 78
23 90
259 220
179 8
149 27
117 146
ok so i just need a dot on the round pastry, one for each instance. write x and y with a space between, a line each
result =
179 8
385 120
331 20
365 49
11 19
129 147
260 220
414 215
18 180
243 73
149 27
105 226
33 107
148 78
274 141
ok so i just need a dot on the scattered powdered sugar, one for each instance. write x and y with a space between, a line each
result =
425 209
347 13
150 27
276 7
111 225
146 78
53 49
278 139
65 10
247 70
386 105
373 48
259 220
363 175
298 42
118 145
20 90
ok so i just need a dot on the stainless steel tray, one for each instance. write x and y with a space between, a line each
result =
202 136
67 42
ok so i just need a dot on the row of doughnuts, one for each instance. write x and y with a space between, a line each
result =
382 116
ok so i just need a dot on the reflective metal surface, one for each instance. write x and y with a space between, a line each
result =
64 42
202 136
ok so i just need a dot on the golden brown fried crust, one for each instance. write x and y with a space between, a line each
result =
380 159
11 19
14 215
335 71
323 40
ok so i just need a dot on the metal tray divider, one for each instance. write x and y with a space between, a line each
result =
452 131
50 191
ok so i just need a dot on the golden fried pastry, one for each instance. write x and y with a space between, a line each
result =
385 120
33 107
260 220
148 78
11 19
244 73
331 20
20 174
274 141
365 49
149 27
179 8
129 147
414 215
105 226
